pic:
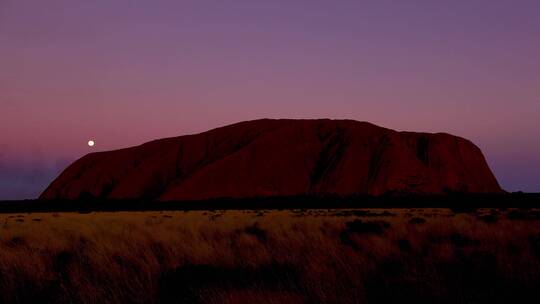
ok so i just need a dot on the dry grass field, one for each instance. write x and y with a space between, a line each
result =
296 256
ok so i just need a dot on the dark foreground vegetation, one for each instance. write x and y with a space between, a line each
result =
456 201
405 255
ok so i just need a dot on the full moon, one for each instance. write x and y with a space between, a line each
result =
91 143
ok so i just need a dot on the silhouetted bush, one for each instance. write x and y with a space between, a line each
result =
523 214
257 232
404 245
369 227
417 220
186 284
488 218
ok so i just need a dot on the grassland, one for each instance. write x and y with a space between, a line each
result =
261 256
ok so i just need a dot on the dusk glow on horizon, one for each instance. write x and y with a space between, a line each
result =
126 72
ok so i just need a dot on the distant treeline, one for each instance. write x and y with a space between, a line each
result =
457 202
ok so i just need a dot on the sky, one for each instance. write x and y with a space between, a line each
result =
125 72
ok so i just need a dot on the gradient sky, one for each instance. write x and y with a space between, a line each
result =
125 72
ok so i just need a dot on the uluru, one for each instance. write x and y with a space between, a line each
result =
270 158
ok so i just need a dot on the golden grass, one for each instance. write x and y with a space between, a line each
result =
315 256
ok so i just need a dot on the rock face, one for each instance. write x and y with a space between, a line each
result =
281 158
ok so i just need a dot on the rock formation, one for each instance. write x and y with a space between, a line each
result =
266 157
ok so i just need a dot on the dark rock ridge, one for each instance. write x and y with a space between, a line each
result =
266 157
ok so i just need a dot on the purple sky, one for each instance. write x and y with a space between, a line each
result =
125 72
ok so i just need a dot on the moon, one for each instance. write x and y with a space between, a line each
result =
91 143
